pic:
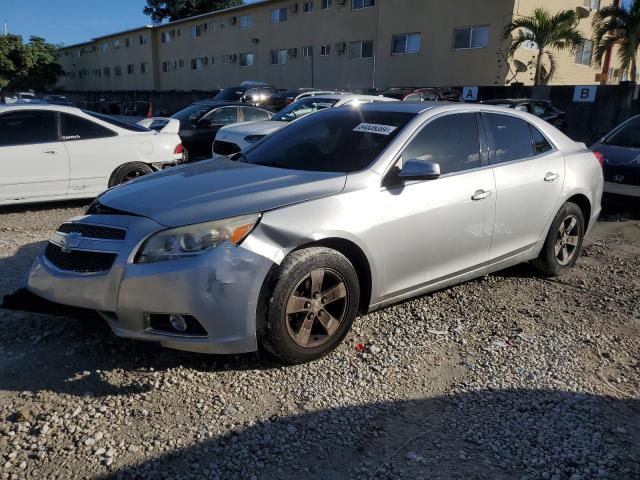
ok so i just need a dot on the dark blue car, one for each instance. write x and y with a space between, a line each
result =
620 152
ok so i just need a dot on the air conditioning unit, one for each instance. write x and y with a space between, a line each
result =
341 47
293 8
293 52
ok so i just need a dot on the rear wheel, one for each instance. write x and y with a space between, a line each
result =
312 306
129 171
564 242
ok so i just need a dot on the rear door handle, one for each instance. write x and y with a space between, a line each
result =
551 177
50 152
481 195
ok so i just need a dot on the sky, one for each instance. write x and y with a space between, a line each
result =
72 21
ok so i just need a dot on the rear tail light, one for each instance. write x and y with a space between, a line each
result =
179 149
600 158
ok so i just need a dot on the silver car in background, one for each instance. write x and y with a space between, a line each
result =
344 211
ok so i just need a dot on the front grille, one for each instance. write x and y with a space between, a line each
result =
79 261
225 148
94 231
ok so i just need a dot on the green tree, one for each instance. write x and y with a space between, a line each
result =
549 32
160 10
618 26
30 65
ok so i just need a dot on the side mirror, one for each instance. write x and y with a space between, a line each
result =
419 170
205 123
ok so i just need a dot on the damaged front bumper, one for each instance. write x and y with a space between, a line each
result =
219 289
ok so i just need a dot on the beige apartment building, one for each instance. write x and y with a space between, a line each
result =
326 44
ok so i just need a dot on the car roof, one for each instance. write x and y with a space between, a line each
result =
403 107
39 106
222 103
515 100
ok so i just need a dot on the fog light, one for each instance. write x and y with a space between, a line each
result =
178 322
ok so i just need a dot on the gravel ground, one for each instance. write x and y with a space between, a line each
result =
507 377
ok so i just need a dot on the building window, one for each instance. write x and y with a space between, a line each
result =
198 63
325 50
246 21
127 42
213 61
196 31
246 59
307 52
167 36
405 43
279 15
583 53
144 67
130 69
229 59
165 66
181 63
358 4
326 4
116 44
307 7
106 71
105 46
179 32
279 57
361 49
143 39
117 71
592 4
470 37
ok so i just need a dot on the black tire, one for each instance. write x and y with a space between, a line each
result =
549 262
129 171
277 328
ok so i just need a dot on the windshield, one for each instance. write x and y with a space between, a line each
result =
118 123
231 94
192 113
303 107
336 140
627 136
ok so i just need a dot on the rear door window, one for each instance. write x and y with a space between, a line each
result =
254 114
28 127
540 143
451 141
73 128
511 138
223 116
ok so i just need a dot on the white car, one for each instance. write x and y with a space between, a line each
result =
52 152
315 93
235 138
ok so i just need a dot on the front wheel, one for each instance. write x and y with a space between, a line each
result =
564 242
312 305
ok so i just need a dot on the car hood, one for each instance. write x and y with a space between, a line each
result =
215 189
252 128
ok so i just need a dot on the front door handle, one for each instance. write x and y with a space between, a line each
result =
551 177
50 152
481 195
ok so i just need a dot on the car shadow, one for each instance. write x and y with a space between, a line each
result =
498 434
37 207
66 343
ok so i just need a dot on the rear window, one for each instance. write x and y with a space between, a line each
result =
304 107
335 140
627 136
118 123
192 113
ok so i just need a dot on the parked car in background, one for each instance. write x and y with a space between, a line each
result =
234 138
423 95
540 108
200 122
429 94
287 97
343 211
57 153
58 100
21 97
620 154
316 93
254 93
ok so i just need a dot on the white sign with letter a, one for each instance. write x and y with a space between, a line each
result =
470 94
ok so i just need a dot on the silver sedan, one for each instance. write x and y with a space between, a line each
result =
342 212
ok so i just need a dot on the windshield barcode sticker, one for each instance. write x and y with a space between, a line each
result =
375 128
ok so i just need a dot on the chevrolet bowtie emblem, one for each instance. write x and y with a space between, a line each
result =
72 240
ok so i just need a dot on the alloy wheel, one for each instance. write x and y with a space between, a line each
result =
316 308
567 240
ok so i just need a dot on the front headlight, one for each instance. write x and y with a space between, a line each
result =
195 239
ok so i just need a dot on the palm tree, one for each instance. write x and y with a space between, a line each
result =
615 25
549 32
